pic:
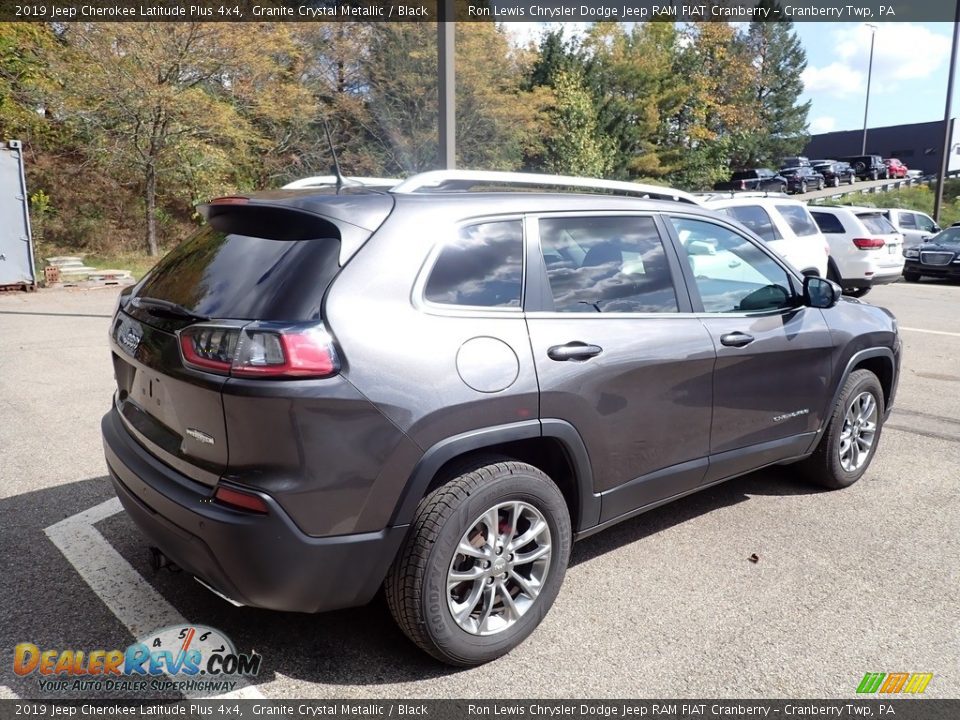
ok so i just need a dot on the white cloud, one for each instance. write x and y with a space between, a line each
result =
902 52
822 124
524 33
836 79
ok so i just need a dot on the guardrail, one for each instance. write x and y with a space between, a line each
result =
887 187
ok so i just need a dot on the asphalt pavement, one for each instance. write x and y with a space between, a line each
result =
665 605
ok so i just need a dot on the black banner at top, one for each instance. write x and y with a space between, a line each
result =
473 11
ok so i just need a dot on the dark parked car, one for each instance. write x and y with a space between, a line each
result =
937 257
436 390
757 179
798 161
868 167
803 178
835 172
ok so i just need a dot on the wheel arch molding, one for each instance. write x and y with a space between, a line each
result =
869 359
532 441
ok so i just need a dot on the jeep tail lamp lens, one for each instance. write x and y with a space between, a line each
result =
298 352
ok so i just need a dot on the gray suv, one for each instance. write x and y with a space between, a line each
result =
435 389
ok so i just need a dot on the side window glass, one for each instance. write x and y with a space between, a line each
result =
908 221
481 267
924 223
732 274
755 218
607 265
828 223
799 220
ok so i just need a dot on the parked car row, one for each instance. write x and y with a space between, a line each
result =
799 174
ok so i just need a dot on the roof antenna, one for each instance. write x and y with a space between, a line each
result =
336 162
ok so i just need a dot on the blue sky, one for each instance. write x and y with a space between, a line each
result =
909 72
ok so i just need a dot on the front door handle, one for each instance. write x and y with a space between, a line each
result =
575 350
736 339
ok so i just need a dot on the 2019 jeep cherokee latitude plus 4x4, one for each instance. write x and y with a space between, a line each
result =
322 394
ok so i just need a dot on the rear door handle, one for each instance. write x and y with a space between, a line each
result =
736 339
575 350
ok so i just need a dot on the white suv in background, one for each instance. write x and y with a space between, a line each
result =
783 224
865 249
916 227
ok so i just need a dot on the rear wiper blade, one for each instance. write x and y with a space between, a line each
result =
156 306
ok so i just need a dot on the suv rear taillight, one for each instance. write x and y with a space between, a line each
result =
260 350
869 243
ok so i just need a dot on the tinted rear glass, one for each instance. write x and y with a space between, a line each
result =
481 267
828 223
223 275
755 218
798 219
877 223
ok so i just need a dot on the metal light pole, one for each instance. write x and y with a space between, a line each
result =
866 104
446 86
947 125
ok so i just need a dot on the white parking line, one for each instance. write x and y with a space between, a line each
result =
122 589
931 332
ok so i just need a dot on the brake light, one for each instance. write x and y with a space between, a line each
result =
209 348
286 354
868 243
260 351
241 500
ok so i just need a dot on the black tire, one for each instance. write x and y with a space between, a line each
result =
416 586
824 466
853 179
911 277
783 188
856 292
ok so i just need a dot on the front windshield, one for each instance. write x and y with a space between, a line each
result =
949 236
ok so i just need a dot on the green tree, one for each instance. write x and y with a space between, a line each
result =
718 114
632 77
496 117
779 60
24 52
180 108
574 144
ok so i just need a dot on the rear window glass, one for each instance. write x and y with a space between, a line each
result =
481 267
225 275
745 175
755 218
828 223
908 220
799 220
877 223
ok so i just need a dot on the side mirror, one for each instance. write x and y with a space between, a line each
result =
937 228
821 293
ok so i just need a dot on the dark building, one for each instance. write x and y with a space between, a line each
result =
918 145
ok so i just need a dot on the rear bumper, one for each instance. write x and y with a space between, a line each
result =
944 271
873 281
258 560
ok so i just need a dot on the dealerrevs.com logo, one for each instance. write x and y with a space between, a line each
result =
191 658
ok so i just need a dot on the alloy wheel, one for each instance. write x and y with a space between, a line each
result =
859 431
499 568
